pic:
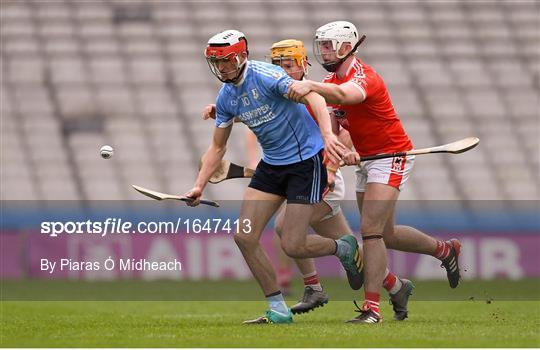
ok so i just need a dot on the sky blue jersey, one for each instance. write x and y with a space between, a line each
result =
286 131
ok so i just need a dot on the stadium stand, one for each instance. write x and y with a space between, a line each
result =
80 74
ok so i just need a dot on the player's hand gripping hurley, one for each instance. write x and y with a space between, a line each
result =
228 170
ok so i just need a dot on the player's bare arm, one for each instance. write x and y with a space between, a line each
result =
345 94
345 138
332 146
332 167
212 161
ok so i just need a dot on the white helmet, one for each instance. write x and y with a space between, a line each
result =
331 37
228 45
226 37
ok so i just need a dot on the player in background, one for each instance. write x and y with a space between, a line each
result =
361 104
328 219
291 168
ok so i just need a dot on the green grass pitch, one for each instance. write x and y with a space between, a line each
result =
477 314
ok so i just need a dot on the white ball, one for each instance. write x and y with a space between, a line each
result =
106 152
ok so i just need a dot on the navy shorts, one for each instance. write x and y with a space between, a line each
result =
303 182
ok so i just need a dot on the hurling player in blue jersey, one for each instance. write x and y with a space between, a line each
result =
291 168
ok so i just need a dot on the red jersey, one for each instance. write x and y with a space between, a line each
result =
373 124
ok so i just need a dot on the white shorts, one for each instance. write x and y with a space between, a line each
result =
388 171
334 198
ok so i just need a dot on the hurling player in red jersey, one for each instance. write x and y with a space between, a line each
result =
361 104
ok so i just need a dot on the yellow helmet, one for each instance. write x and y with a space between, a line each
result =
289 48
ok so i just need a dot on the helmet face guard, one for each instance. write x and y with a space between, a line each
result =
326 52
219 57
302 68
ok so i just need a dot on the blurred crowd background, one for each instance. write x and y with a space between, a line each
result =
76 75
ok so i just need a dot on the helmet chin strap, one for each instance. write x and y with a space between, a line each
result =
334 66
238 76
